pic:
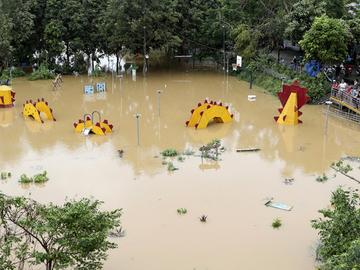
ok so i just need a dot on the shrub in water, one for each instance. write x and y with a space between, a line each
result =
24 179
182 211
42 73
276 223
169 153
41 178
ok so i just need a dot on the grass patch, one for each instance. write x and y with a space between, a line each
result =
277 223
169 153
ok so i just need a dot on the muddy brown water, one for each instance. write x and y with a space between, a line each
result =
231 192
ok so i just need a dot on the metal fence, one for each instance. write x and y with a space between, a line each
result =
346 97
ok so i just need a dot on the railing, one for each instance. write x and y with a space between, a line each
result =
345 97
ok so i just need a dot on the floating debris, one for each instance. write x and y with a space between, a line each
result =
289 181
188 152
248 150
353 159
180 158
121 153
301 148
203 219
278 205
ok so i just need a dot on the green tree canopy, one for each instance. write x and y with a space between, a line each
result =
74 235
339 228
326 41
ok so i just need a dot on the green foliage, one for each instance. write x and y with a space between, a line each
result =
322 178
42 73
339 227
246 41
37 178
301 17
342 167
349 260
97 72
69 236
181 211
267 74
276 224
5 175
212 150
326 41
171 167
170 152
24 179
41 178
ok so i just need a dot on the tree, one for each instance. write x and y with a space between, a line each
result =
73 235
335 8
300 19
326 41
246 41
350 260
5 41
339 228
22 22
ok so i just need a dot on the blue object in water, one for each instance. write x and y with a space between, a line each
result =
89 89
100 87
312 68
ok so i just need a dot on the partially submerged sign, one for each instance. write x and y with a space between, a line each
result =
278 205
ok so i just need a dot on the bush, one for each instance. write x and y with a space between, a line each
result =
169 153
42 73
15 72
339 227
318 87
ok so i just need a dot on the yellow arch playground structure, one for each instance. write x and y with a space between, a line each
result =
34 110
207 112
7 96
87 126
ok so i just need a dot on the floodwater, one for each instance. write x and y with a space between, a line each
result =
231 192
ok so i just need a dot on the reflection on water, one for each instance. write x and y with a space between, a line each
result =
230 191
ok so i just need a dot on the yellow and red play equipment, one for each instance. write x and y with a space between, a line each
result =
35 109
207 112
7 96
88 126
292 98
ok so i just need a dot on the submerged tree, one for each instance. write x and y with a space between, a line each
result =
73 235
339 230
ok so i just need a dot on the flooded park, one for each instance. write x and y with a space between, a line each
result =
126 171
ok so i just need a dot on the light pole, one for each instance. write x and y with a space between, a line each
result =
137 116
224 47
158 100
145 58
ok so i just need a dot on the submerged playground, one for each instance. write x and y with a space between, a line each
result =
103 138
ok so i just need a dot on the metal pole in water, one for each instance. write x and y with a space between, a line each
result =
138 127
158 100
